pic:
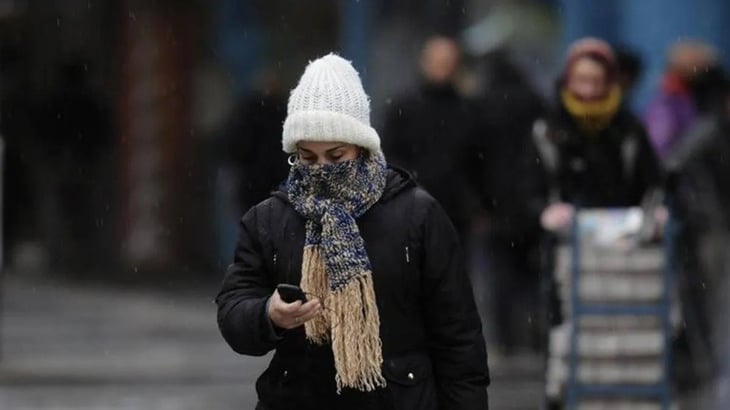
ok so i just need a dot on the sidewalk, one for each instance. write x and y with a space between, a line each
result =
73 347
83 348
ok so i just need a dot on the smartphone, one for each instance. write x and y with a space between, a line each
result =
290 293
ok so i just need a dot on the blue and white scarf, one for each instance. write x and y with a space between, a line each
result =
336 267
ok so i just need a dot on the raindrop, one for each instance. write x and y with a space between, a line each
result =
136 269
58 21
703 285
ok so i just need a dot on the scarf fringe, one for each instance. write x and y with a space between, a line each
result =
314 282
356 340
351 322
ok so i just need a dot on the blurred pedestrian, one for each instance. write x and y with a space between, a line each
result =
436 125
19 207
389 321
74 129
507 292
674 108
252 142
700 171
592 152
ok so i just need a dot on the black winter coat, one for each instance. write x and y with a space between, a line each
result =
614 168
508 109
253 147
700 176
433 348
433 134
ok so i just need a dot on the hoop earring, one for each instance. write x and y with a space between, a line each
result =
292 159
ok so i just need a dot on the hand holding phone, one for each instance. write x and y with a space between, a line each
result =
290 293
286 314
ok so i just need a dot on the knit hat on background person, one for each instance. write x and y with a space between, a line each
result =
593 117
596 49
329 104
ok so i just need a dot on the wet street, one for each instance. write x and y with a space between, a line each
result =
90 347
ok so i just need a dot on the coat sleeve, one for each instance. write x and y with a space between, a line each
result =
242 301
536 183
453 327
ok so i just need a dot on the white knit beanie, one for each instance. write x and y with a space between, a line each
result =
329 104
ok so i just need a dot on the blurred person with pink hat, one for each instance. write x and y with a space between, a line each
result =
591 151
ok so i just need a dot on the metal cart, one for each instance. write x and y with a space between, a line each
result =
614 348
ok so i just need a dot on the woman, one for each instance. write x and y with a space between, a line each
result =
389 321
592 151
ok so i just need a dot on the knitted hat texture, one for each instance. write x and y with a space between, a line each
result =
329 104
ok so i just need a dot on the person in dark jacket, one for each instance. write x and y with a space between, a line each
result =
699 175
389 321
76 136
508 288
251 145
591 152
684 93
436 125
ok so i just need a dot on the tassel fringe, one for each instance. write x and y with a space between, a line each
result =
314 282
351 321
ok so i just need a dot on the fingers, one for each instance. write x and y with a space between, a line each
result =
557 217
292 315
309 311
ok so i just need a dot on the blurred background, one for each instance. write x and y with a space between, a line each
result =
136 133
